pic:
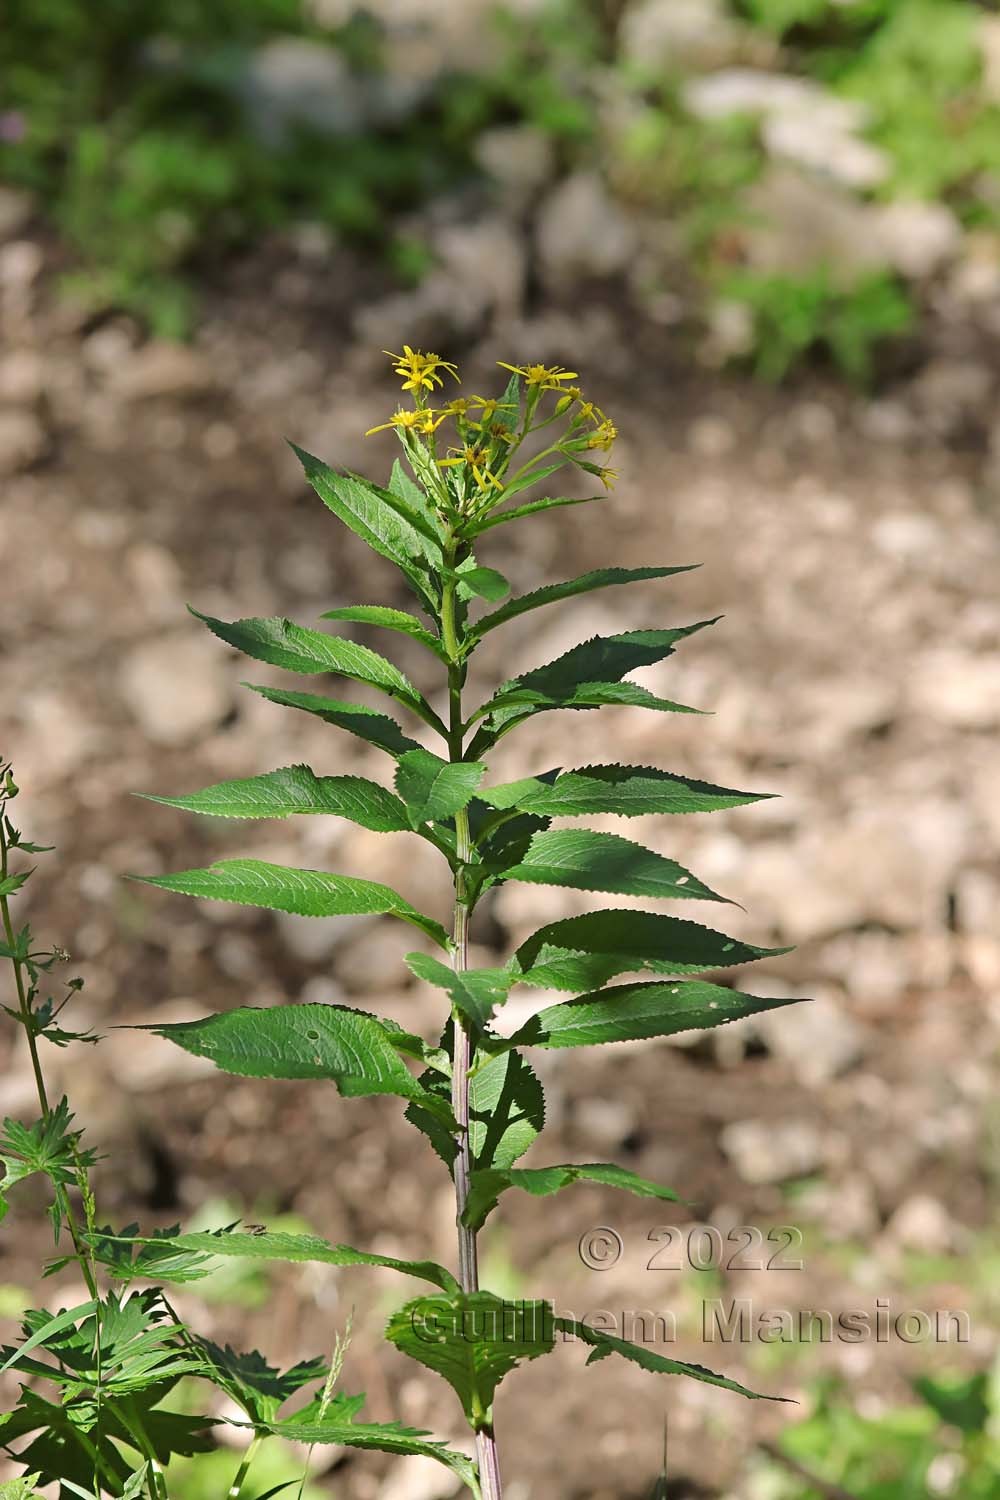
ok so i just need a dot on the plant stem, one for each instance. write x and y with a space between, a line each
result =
468 1263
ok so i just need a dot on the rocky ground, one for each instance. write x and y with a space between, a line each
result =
852 545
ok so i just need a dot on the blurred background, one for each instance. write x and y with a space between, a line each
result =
767 233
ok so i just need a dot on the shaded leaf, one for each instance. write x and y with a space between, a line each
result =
297 789
385 1437
369 724
481 583
631 791
600 578
506 1110
603 1344
475 993
486 1186
628 1012
433 788
305 893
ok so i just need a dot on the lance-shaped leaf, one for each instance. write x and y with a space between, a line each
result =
585 952
532 508
369 724
297 789
298 649
390 619
384 1437
486 1185
475 582
388 524
587 675
630 791
433 788
472 1340
304 893
414 501
628 1012
506 1110
233 1244
552 593
603 1344
475 993
589 861
359 1052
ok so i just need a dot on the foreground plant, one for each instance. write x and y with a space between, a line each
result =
476 1097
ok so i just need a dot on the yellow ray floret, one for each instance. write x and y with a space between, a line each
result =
422 420
548 377
419 371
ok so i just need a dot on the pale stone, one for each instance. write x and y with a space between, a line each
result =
765 1151
177 686
23 440
954 688
917 237
582 231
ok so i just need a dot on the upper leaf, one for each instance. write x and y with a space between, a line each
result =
305 893
296 789
532 508
475 993
390 526
604 1344
628 1012
413 500
601 578
630 791
285 644
473 1340
486 1186
369 724
433 788
359 1052
584 952
390 619
589 861
506 1110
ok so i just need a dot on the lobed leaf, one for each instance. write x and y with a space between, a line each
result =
390 619
472 1340
434 789
304 893
630 791
359 1052
385 1437
630 1012
284 644
585 952
603 1344
486 1186
368 724
589 861
297 789
552 593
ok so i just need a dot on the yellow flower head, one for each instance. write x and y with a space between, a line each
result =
422 420
476 459
547 377
419 371
603 435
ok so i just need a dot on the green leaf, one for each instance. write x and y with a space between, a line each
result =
604 1344
433 788
472 1340
628 1012
533 508
369 724
506 1110
486 1186
11 883
21 1489
385 1437
285 644
65 1318
305 893
390 619
414 502
630 791
475 993
601 578
358 1051
589 861
388 524
532 476
234 1245
482 583
585 952
296 789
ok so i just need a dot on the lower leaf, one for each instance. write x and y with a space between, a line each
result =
603 1344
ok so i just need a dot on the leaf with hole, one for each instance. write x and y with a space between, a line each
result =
587 861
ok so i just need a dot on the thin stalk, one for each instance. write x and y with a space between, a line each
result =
236 1488
468 1262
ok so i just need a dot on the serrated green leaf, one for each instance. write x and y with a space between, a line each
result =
304 893
532 476
388 525
384 1437
603 1344
414 501
482 583
552 593
233 1244
587 861
11 883
297 789
390 619
486 1186
532 508
506 1110
359 1052
628 1012
21 1489
368 724
630 791
475 993
47 1329
585 952
434 789
285 644
472 1340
